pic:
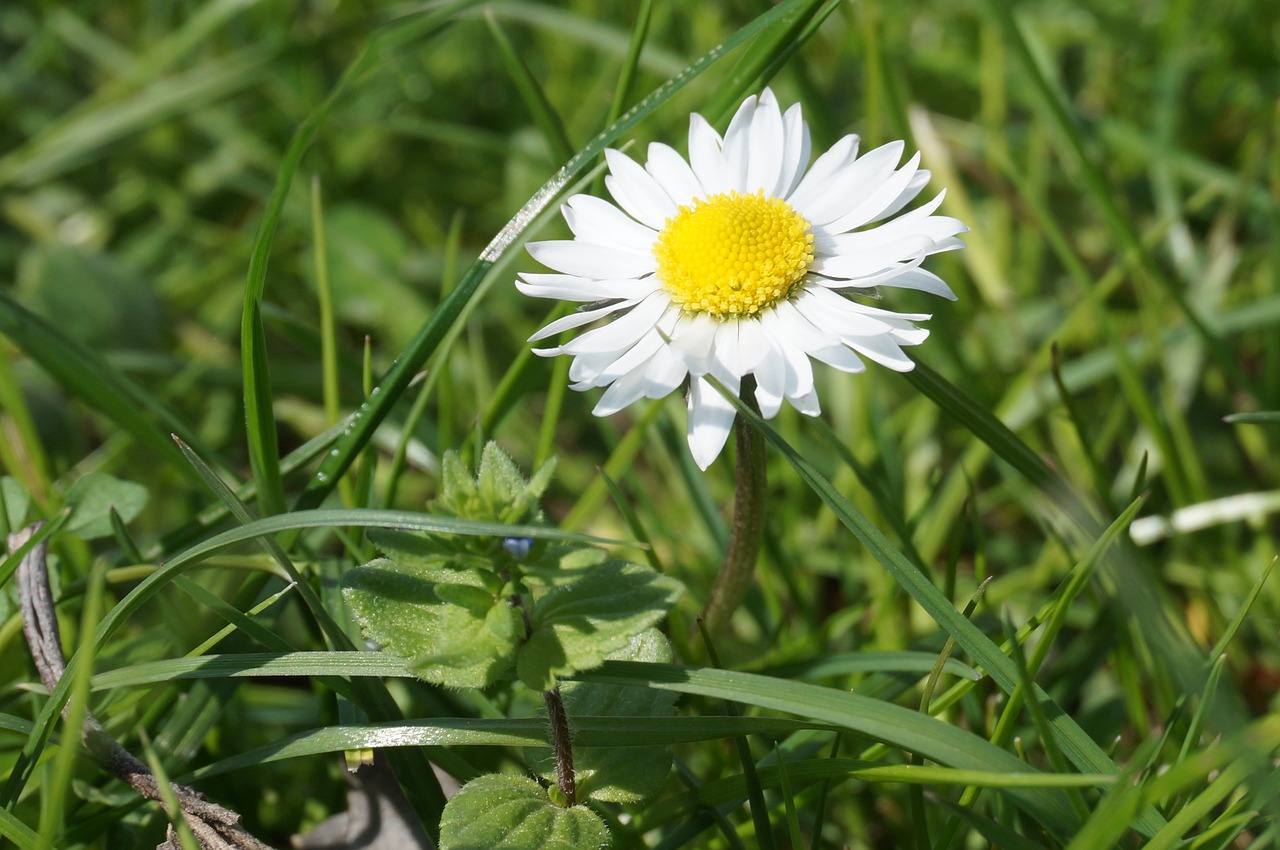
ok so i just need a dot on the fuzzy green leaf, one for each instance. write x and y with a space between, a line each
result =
455 633
92 499
499 812
617 774
575 627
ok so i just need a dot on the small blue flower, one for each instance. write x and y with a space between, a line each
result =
517 547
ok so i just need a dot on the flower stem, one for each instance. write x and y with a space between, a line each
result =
562 745
747 531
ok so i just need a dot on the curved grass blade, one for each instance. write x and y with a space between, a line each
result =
844 663
519 732
886 722
393 384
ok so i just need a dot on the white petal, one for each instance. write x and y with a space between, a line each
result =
710 419
921 279
807 403
800 330
579 318
692 340
771 382
596 220
584 368
767 144
885 351
636 191
737 146
570 288
918 181
878 199
799 372
588 260
850 185
635 359
872 258
725 359
665 372
624 391
839 317
839 357
620 334
673 174
919 221
796 154
705 156
753 345
818 180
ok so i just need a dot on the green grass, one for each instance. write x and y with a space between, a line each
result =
213 213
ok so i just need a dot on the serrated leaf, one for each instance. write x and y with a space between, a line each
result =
617 774
501 812
576 626
454 633
93 497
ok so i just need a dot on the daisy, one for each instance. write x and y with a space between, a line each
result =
740 261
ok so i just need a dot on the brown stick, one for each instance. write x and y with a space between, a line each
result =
214 827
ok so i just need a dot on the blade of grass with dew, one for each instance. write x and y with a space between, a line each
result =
892 724
396 380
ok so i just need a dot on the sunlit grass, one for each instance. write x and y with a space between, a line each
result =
1118 167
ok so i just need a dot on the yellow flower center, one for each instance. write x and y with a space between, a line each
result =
733 254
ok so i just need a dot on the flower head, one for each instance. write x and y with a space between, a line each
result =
740 261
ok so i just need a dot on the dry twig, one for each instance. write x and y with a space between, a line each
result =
214 827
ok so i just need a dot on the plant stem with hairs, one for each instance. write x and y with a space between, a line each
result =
747 529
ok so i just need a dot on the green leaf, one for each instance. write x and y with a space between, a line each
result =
453 633
615 774
498 812
575 627
92 498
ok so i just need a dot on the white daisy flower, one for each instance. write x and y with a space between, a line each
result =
740 261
